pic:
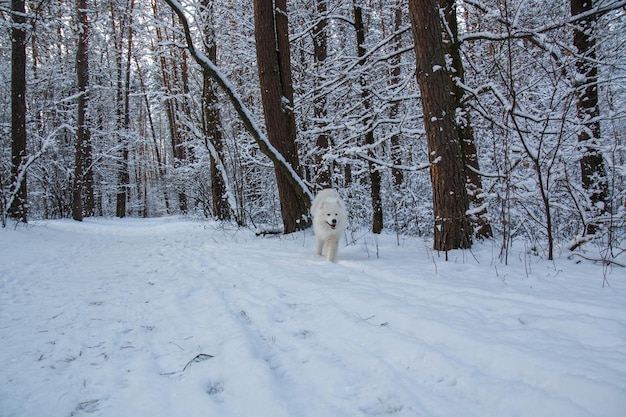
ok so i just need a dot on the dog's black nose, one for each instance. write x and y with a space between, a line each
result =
334 221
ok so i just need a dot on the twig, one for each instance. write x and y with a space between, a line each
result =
604 261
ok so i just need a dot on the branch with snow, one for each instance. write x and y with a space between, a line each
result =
46 143
244 113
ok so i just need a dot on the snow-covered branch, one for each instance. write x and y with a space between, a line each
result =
46 143
244 113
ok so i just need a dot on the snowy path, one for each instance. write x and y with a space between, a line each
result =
102 317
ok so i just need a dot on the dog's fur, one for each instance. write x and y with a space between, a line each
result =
329 221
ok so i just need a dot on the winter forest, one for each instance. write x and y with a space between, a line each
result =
454 120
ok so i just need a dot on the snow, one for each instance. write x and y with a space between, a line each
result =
182 317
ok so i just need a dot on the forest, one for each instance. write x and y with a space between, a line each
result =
456 120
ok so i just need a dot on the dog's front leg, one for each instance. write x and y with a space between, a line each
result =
320 246
331 249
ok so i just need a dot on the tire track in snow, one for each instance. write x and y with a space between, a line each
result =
312 344
432 347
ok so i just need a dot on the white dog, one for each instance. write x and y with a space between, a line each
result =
329 221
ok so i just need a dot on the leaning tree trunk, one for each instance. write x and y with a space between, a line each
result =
18 204
273 61
593 172
450 201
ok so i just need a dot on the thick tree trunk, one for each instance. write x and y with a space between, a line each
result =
274 66
482 227
18 208
375 177
593 172
450 201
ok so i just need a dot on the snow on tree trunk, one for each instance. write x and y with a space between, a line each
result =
593 172
273 59
450 201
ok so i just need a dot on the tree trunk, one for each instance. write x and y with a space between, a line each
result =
593 172
450 201
323 177
18 204
82 193
482 227
274 66
395 80
122 99
212 122
375 177
175 106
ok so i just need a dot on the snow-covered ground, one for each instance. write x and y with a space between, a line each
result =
178 317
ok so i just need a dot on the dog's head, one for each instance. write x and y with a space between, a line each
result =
331 210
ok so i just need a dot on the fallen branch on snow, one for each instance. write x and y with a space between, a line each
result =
604 261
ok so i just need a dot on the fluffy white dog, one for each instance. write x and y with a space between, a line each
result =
329 221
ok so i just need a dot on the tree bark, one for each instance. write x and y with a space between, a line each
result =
122 98
82 193
320 53
212 122
375 177
593 171
394 81
482 227
450 201
18 205
274 66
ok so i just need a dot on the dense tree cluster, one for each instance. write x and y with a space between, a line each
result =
454 119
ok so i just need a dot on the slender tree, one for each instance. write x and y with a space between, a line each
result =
374 173
82 193
212 120
18 207
320 54
123 61
273 60
592 168
394 80
450 201
160 160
